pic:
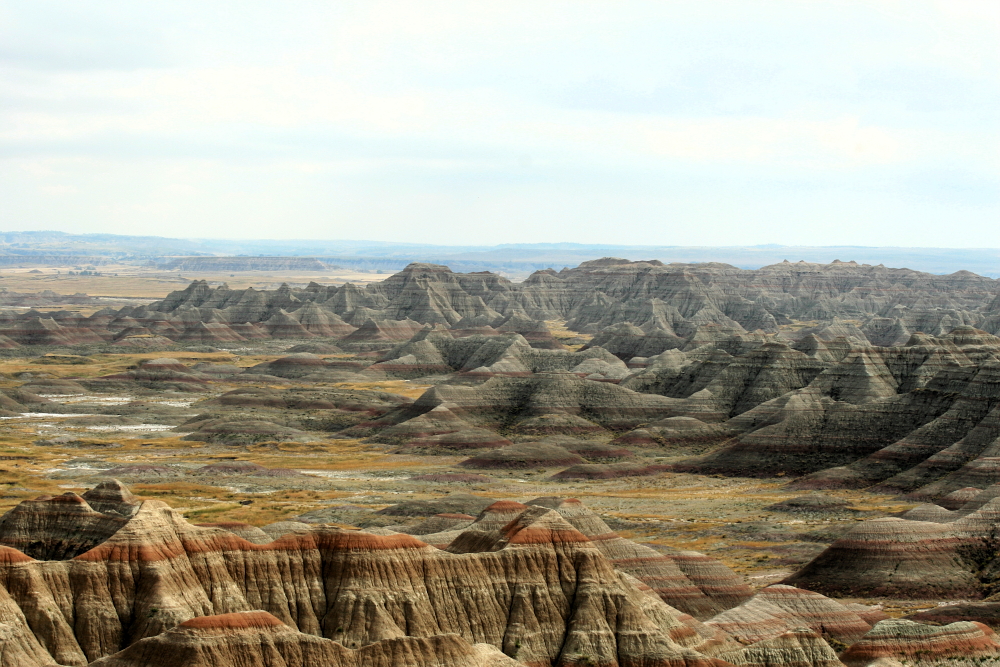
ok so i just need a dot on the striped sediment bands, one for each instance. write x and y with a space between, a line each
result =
497 515
541 526
713 578
778 608
899 638
750 623
546 582
930 512
526 455
986 612
467 438
234 621
556 401
689 581
922 555
257 638
11 556
190 542
799 647
243 530
703 302
545 594
918 419
956 499
894 558
57 527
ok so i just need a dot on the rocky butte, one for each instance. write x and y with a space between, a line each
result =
115 580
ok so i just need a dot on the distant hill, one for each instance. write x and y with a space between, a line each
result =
515 260
248 264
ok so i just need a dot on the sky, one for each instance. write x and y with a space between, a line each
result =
696 122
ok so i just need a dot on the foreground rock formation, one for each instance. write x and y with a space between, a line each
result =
537 590
258 638
543 583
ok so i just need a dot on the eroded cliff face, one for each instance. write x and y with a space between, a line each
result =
540 592
545 583
257 638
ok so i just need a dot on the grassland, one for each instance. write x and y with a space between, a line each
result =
128 281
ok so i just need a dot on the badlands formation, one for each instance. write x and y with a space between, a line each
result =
620 464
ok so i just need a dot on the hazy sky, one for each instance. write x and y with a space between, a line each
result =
700 122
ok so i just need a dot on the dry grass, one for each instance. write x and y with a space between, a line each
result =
401 387
139 282
562 334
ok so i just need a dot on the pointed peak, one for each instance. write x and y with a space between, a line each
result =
541 525
504 506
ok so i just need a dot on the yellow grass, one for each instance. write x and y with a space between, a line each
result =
140 282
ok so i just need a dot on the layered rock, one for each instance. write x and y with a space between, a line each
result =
257 638
900 638
777 609
677 433
456 503
813 503
891 557
457 441
708 303
799 647
163 374
236 431
607 471
58 528
544 404
112 497
956 499
539 591
523 456
985 612
293 366
359 402
242 530
689 581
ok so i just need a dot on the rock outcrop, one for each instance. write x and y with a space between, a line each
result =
689 581
161 591
58 528
900 638
798 647
544 404
892 557
777 609
258 638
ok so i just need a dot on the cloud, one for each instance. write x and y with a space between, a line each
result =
560 116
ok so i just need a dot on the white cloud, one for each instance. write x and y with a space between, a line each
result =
559 115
